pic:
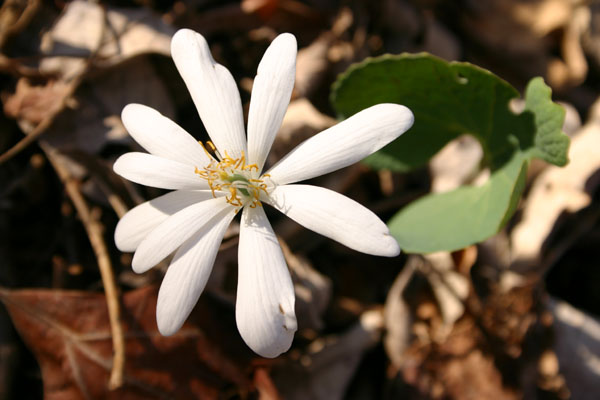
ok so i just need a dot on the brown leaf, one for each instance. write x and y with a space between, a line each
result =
69 334
264 8
33 103
95 121
457 368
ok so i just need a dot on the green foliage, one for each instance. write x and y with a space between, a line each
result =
449 100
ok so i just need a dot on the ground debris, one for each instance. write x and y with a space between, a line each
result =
512 317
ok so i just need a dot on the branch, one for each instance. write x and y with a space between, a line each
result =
90 220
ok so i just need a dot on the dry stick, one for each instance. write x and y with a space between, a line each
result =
88 218
94 231
45 124
21 22
49 119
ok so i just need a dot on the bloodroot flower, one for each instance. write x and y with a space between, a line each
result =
213 182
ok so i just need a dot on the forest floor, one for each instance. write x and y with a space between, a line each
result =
513 317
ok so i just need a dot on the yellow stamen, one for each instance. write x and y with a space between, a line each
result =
232 175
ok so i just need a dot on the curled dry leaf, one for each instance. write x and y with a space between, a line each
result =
449 287
543 16
115 35
69 334
573 68
397 317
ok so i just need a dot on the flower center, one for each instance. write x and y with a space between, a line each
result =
234 176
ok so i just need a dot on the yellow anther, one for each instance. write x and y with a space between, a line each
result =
231 175
204 148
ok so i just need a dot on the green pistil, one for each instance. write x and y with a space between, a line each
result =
237 178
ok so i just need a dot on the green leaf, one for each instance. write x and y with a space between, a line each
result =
449 100
456 219
550 144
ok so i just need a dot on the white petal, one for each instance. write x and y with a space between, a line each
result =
213 90
264 308
175 230
141 220
161 136
188 273
335 216
271 94
158 172
343 144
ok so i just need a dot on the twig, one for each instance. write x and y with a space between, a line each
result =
94 232
45 124
49 119
14 67
18 24
101 175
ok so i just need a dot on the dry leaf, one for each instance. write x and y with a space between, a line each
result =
457 368
264 8
573 70
493 24
95 120
577 346
440 41
69 334
302 120
116 35
313 290
33 103
449 287
312 65
456 164
543 16
397 317
325 371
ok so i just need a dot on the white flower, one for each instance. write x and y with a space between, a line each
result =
209 191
